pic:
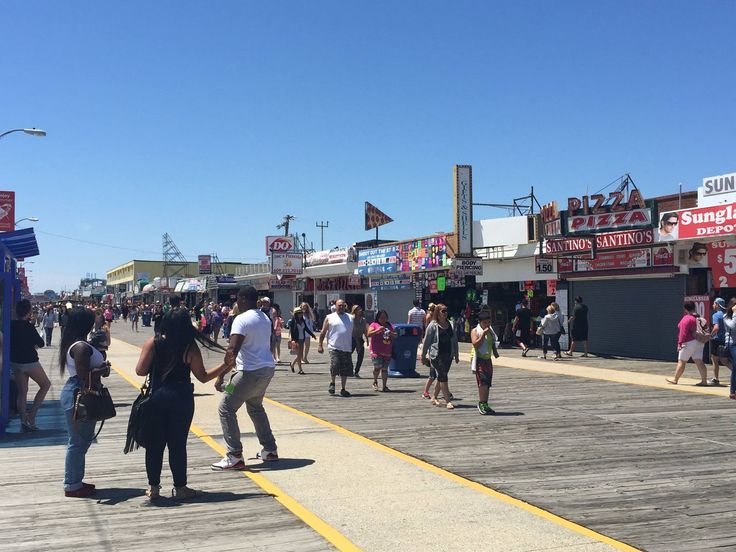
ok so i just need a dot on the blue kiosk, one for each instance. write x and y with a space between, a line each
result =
14 246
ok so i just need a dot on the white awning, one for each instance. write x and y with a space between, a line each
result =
191 285
329 270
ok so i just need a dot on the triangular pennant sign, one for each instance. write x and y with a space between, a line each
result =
374 217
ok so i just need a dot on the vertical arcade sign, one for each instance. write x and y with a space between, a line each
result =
464 209
205 264
7 211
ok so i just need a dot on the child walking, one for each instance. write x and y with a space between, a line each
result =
484 344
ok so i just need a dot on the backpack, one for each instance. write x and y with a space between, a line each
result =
701 333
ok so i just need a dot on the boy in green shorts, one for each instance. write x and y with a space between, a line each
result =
484 344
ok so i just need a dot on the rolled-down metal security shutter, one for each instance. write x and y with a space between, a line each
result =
632 317
397 303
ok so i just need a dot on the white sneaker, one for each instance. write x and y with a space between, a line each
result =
268 455
230 462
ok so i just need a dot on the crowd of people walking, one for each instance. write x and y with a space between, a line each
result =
253 329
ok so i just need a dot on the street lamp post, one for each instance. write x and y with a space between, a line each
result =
29 131
32 219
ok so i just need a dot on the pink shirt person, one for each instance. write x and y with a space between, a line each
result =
380 345
686 329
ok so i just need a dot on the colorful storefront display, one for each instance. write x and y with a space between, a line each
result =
424 254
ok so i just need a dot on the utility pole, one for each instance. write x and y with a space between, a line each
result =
285 224
322 225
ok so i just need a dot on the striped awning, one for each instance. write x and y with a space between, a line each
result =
21 243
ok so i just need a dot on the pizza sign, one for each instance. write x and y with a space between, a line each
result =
374 217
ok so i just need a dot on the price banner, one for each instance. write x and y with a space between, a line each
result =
543 266
722 257
702 304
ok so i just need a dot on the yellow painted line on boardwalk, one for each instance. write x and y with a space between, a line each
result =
324 529
461 480
562 368
341 542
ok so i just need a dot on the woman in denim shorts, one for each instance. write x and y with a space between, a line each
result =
381 335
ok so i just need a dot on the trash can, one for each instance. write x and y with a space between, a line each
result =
146 316
404 363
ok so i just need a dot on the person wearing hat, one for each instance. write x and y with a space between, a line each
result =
718 352
298 331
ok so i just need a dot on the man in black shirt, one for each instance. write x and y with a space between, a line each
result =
578 327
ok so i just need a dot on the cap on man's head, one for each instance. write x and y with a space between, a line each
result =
720 302
484 315
265 300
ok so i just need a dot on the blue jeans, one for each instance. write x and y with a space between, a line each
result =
81 435
552 340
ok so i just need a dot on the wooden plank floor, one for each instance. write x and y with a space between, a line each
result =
649 467
233 514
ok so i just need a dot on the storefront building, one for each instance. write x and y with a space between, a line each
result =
14 246
421 269
512 269
610 252
128 280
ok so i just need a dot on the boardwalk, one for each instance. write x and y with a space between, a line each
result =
36 516
649 467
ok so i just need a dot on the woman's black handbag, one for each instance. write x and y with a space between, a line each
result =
141 413
139 421
93 403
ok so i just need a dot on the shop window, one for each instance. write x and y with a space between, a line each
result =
697 281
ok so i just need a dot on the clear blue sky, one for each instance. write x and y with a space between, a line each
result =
211 120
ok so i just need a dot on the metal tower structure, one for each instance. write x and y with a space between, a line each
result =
174 261
216 265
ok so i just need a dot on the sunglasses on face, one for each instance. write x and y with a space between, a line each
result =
671 222
699 253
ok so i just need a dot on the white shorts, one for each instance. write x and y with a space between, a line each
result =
691 349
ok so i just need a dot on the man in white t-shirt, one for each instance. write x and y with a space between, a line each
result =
338 329
416 315
250 352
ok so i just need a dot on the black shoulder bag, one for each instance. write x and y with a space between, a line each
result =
141 414
93 403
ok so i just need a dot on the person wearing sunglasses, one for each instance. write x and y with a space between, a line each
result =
668 227
698 255
438 351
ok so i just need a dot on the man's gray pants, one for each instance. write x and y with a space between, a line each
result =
249 389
